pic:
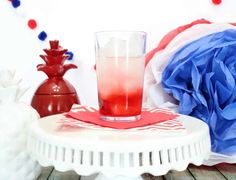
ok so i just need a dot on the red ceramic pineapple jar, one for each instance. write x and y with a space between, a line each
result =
54 95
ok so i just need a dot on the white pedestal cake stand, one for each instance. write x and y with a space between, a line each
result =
118 154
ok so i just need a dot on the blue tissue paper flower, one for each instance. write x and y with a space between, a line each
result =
201 76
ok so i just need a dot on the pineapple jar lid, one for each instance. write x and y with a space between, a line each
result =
55 69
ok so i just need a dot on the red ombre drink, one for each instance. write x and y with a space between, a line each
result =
120 65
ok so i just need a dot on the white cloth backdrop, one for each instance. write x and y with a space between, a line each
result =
74 22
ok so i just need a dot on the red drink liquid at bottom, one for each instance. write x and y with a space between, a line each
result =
120 86
122 104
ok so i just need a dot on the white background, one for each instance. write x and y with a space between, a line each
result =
74 22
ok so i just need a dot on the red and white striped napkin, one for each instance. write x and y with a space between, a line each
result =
153 119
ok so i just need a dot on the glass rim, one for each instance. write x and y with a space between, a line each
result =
120 31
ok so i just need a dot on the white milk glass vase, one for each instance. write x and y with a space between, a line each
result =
15 120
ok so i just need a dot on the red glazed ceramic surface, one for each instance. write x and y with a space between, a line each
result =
55 94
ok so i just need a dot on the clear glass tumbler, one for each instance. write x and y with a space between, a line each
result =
120 63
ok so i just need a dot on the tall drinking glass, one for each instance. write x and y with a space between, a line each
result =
120 63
